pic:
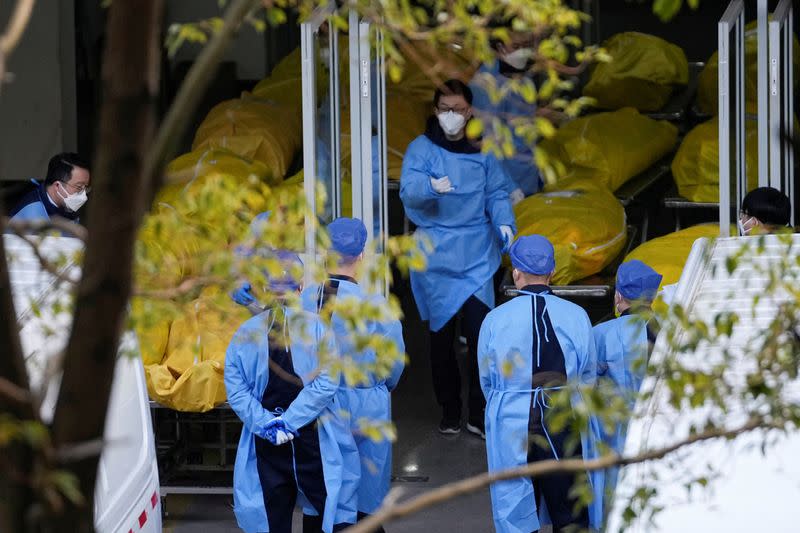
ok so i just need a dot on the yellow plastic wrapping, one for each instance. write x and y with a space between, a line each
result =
190 376
642 74
708 79
583 220
253 129
667 254
284 85
346 192
696 164
201 166
610 148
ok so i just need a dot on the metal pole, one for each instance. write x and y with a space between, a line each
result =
309 84
724 131
741 117
336 149
763 96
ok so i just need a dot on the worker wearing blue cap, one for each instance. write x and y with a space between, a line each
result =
623 347
367 401
288 449
529 349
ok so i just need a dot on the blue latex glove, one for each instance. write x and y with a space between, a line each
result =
277 432
243 295
507 235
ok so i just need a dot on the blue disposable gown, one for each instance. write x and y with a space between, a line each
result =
622 346
368 401
246 376
461 226
520 168
506 372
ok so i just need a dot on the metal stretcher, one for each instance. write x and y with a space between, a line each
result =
196 451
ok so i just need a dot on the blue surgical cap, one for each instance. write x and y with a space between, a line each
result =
533 254
348 236
290 275
637 281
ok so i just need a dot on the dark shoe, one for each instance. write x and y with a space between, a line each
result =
477 428
450 426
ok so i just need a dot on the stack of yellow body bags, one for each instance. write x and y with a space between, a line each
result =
668 254
610 148
583 220
695 168
708 79
643 73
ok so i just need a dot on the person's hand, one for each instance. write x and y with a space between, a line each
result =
442 185
243 295
507 235
516 196
277 433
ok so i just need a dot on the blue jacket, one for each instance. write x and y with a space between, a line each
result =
461 226
368 402
622 351
506 336
246 376
520 167
36 205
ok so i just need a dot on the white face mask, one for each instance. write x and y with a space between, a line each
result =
452 123
518 58
73 201
742 231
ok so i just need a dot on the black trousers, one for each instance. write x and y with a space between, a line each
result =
555 488
283 470
444 366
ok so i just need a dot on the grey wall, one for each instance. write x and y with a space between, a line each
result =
37 110
248 50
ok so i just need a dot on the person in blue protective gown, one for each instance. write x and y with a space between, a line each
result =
623 348
243 294
367 401
512 62
63 192
531 348
289 450
458 199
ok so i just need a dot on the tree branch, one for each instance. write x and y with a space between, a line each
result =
191 91
390 510
16 26
45 263
185 287
63 225
14 392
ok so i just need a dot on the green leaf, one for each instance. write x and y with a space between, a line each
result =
474 128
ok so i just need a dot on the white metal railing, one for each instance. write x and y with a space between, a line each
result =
781 101
731 113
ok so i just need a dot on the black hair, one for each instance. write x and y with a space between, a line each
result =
450 88
768 205
61 165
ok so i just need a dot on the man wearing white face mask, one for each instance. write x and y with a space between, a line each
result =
458 199
63 192
513 59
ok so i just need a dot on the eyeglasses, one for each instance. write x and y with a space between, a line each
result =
459 110
76 188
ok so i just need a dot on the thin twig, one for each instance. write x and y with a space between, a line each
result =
184 288
194 87
78 452
390 510
54 223
14 392
16 26
45 263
